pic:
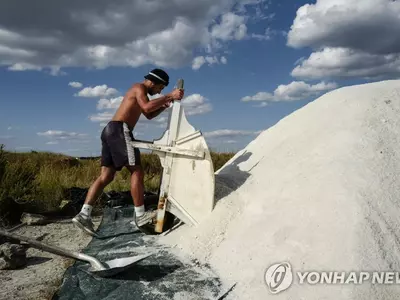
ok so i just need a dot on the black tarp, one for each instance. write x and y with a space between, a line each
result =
160 276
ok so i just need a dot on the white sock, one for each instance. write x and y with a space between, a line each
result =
86 211
139 210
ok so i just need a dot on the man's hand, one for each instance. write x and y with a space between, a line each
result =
177 94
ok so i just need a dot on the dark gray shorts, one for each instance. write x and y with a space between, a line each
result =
117 150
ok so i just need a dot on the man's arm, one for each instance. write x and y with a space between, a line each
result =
154 114
151 106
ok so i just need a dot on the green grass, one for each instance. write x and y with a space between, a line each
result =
40 179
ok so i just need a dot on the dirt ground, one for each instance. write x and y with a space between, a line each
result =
43 274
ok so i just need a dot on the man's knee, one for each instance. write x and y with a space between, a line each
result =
107 176
136 171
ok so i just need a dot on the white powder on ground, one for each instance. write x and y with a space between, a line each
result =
320 190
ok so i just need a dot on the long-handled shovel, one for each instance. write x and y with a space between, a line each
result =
103 269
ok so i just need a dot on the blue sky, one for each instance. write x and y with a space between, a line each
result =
233 56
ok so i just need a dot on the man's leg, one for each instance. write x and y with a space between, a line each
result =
132 161
142 217
83 219
137 185
106 177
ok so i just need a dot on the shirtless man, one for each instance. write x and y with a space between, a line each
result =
117 152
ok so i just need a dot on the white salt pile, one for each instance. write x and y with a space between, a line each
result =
319 190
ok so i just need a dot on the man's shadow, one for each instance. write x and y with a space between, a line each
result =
230 178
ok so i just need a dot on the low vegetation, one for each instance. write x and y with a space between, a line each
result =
39 180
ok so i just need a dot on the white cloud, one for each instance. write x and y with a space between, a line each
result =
108 105
368 25
101 117
199 61
56 70
262 104
24 67
257 8
97 91
118 33
57 135
350 39
346 63
232 27
9 128
296 90
211 60
220 137
112 103
264 37
52 143
160 121
162 118
196 104
75 84
260 96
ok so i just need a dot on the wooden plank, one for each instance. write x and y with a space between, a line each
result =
168 160
169 149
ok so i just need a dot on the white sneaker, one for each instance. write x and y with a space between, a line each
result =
85 224
146 218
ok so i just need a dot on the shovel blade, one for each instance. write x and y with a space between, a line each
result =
118 265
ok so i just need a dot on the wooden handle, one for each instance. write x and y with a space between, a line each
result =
39 245
54 249
179 84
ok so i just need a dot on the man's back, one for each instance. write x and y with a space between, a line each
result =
129 110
